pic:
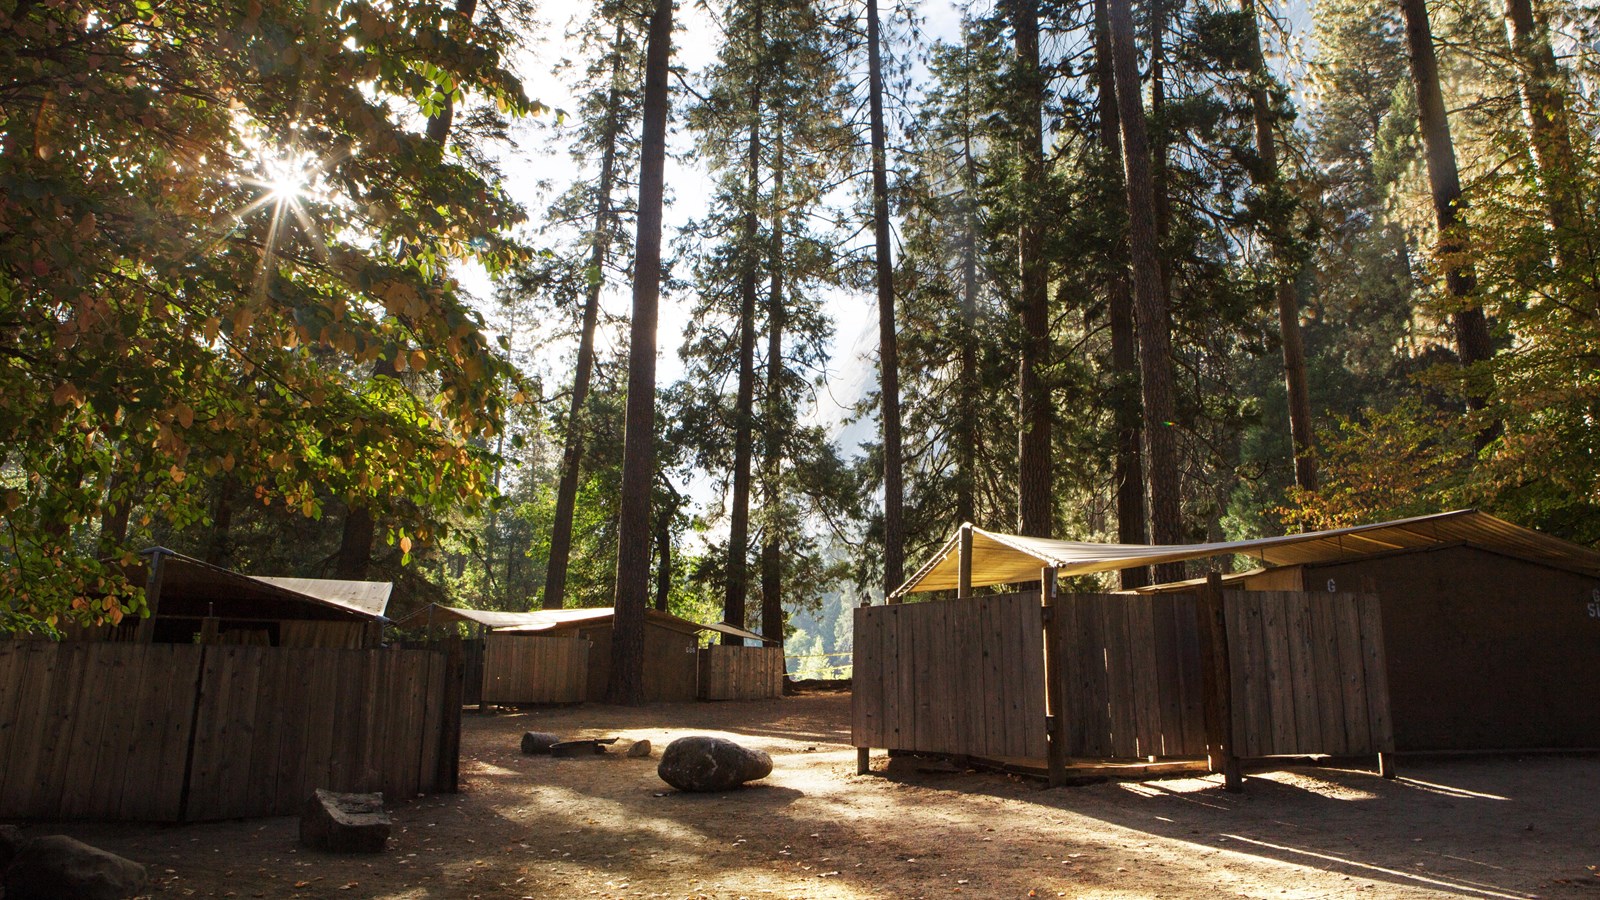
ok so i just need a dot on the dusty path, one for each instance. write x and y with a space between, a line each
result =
608 827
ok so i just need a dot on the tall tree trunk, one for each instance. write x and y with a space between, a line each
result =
1128 467
966 437
733 603
353 559
1035 493
776 424
663 557
115 512
1268 182
1444 181
1157 129
894 551
638 444
1544 108
555 579
1149 295
219 550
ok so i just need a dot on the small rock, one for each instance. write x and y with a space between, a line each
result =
639 750
60 868
539 742
701 763
344 823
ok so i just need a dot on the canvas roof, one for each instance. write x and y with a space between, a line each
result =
547 619
192 587
1005 558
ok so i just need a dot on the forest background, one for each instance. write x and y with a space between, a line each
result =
322 289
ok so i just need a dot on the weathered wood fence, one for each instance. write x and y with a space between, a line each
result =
741 673
1128 676
188 732
951 676
1220 674
1308 674
519 668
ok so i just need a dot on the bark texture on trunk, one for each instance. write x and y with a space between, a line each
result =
1266 176
966 436
1128 467
773 413
114 514
1034 482
738 585
663 558
219 550
1544 109
555 579
1149 293
894 554
638 451
1444 182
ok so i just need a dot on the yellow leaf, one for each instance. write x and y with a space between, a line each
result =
405 544
67 392
185 414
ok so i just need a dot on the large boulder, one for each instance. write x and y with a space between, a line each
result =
538 742
701 763
344 823
57 867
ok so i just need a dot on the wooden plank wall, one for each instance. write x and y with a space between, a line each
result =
524 668
1128 675
1308 674
741 673
91 730
322 635
173 732
951 676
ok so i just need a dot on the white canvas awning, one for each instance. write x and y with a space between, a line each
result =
547 619
1007 558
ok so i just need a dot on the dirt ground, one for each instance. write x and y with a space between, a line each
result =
608 827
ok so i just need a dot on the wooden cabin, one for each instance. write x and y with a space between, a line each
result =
529 657
1493 631
195 602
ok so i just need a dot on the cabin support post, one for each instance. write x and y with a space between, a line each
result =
964 562
863 760
447 777
152 597
483 647
1055 706
1217 681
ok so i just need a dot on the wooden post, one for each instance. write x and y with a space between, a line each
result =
1385 741
152 597
1217 682
1054 681
964 562
448 775
863 760
209 627
483 647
